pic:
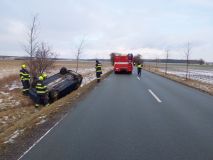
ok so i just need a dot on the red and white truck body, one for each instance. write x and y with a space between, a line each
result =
123 63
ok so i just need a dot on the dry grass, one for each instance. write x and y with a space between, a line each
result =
10 63
8 67
8 79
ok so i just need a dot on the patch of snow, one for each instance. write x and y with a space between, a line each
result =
2 107
91 75
2 121
87 79
14 85
200 75
9 103
10 98
41 122
42 117
5 118
86 70
4 93
12 137
17 103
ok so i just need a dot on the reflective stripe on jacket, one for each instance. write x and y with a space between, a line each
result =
24 75
139 66
98 68
41 89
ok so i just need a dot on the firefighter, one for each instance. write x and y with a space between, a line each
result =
42 93
25 79
98 71
139 67
36 79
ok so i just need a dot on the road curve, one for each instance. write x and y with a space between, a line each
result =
130 118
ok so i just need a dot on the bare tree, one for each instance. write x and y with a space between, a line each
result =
44 58
32 44
201 62
187 54
80 47
40 55
167 58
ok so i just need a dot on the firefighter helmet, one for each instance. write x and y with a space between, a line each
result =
41 78
23 66
44 75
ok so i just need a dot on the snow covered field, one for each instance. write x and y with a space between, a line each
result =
203 73
200 75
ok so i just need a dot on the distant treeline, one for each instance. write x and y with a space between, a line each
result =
201 61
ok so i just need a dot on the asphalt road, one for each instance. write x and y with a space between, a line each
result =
126 118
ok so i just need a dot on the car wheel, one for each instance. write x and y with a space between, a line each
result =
63 70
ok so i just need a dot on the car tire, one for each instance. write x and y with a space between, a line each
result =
63 70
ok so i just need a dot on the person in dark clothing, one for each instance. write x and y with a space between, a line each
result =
98 70
25 79
42 93
139 67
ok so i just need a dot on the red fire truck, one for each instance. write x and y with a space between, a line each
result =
123 63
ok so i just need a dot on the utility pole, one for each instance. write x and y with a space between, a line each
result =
187 53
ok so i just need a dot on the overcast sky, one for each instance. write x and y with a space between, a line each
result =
136 26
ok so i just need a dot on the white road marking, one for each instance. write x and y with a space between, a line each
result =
41 138
154 95
138 78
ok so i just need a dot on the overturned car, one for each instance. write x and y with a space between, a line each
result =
59 85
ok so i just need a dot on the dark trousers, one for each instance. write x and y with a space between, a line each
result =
139 71
42 100
26 86
98 76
